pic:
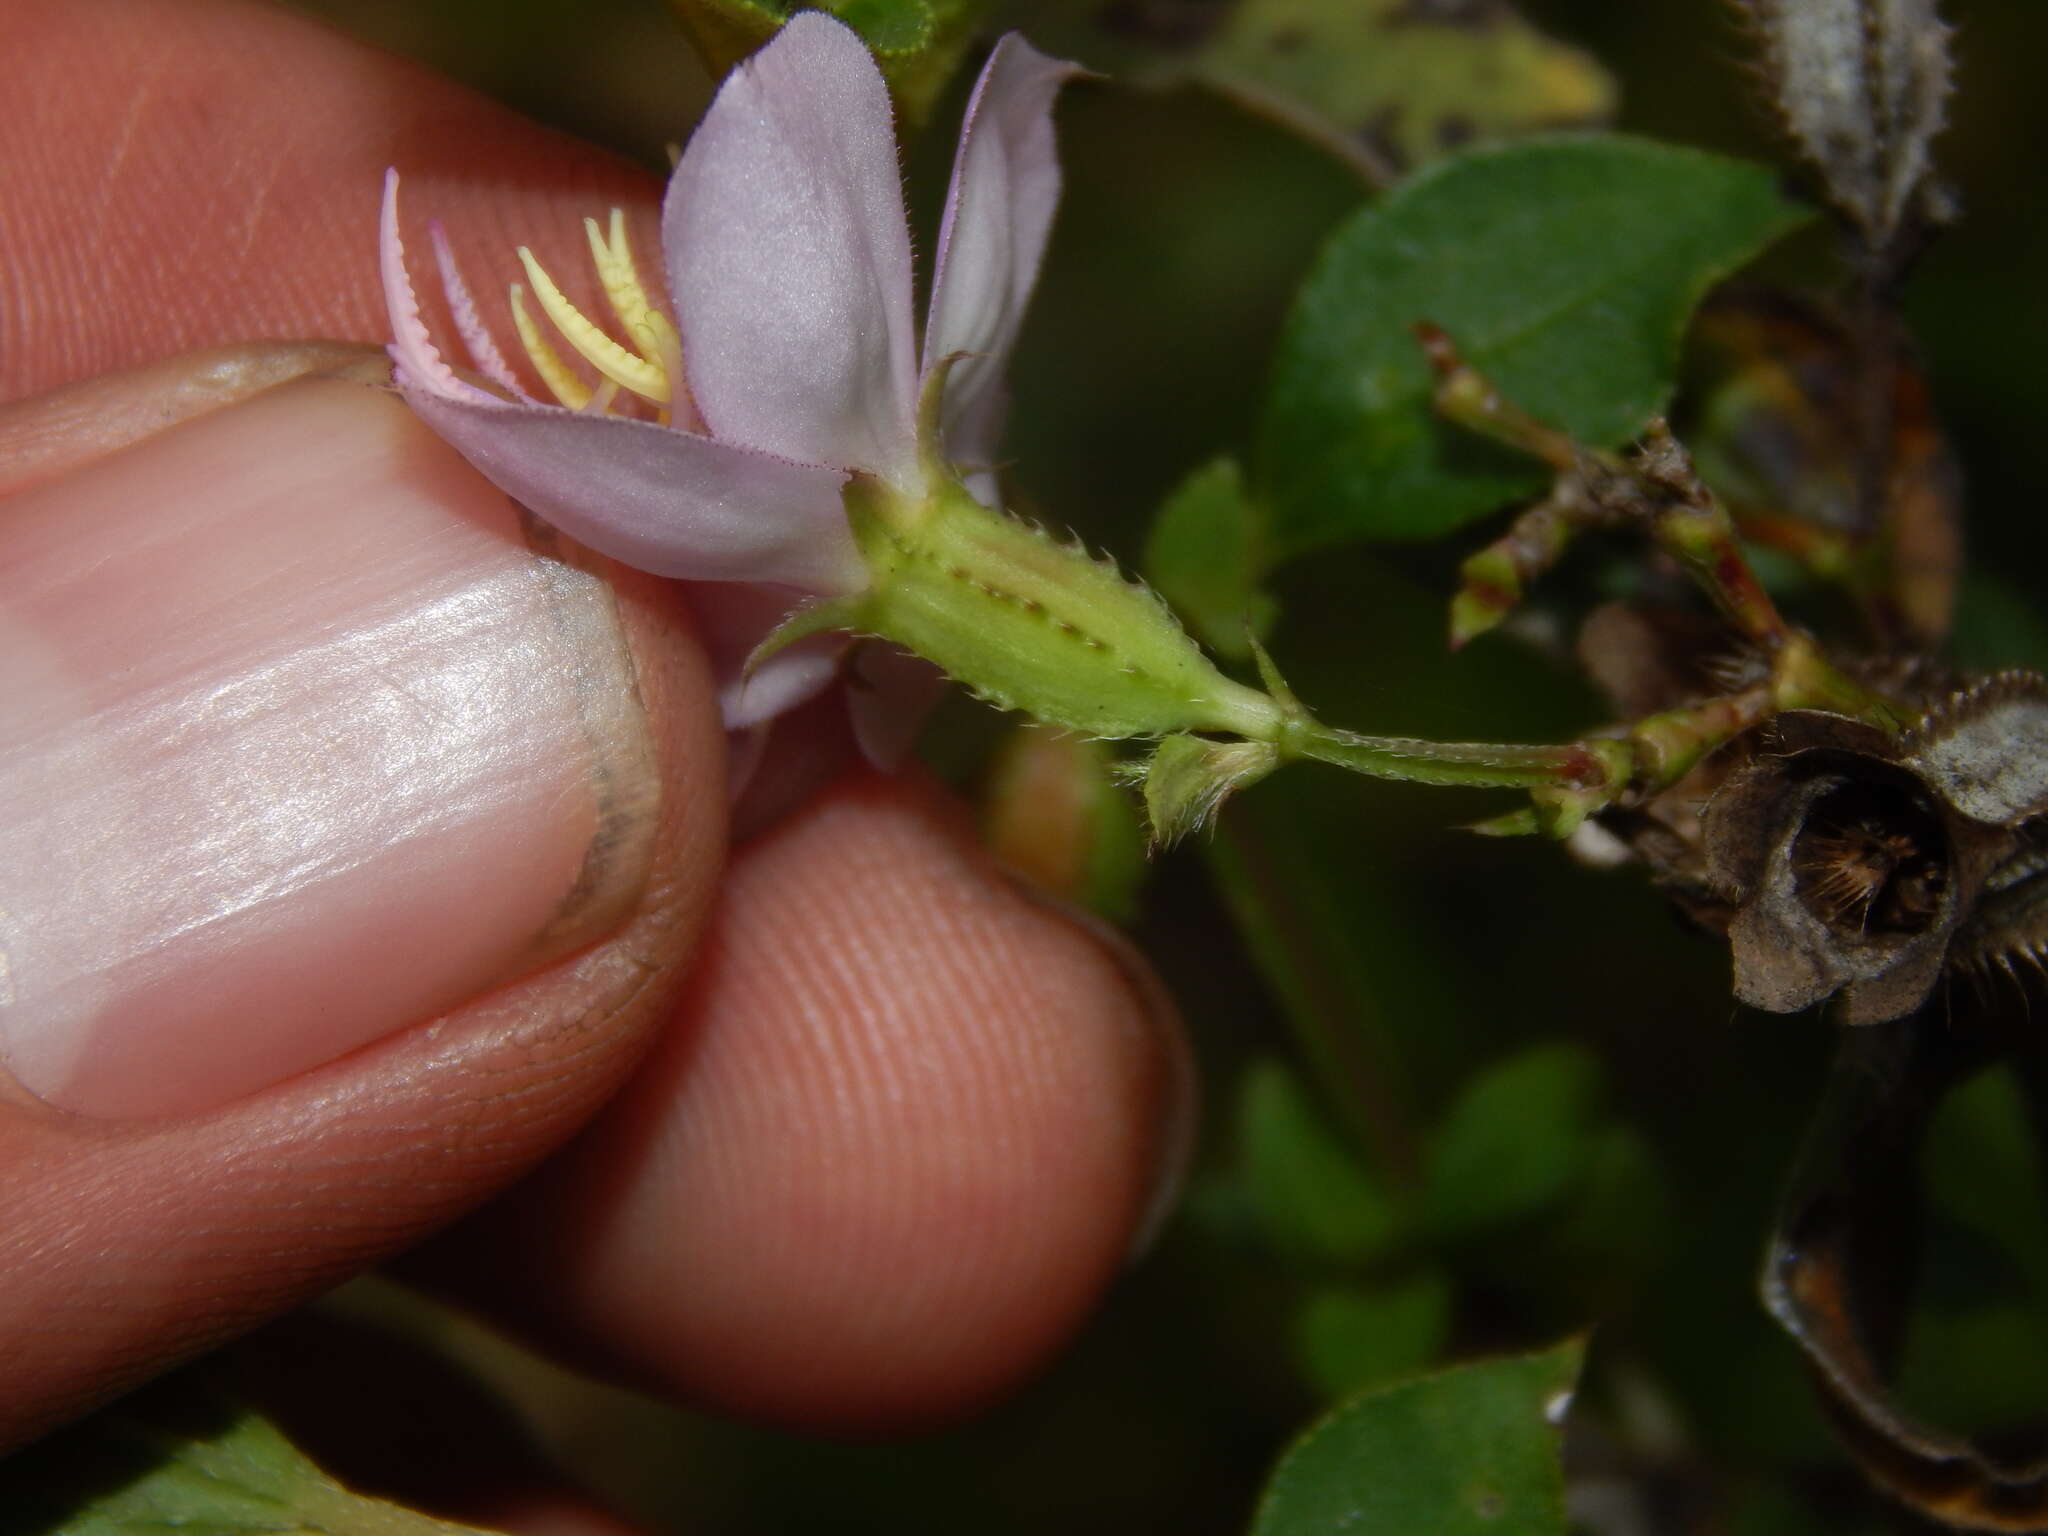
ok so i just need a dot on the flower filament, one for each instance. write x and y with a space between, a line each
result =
653 371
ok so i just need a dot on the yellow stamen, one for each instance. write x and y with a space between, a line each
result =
596 348
559 377
662 346
643 322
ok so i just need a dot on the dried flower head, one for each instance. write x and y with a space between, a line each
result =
1864 862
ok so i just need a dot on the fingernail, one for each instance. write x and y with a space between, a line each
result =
301 743
46 435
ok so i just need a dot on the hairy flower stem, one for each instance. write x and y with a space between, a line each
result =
1570 782
1472 764
1037 624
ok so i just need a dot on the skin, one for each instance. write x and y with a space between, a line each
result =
827 1121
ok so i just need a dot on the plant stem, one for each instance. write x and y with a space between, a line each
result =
1476 764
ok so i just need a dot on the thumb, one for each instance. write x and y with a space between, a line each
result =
356 834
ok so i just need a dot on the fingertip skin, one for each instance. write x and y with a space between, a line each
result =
131 1242
894 1131
884 1160
176 176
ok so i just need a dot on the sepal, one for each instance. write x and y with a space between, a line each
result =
1187 779
814 618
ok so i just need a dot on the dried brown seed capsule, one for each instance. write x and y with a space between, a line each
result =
1984 749
1849 866
1871 860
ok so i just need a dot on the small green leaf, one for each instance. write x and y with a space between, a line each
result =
1563 269
182 1457
1618 1221
1978 1347
1471 1450
1320 1203
917 43
1350 1337
1515 1144
1206 554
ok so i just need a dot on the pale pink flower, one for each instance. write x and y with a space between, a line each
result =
783 361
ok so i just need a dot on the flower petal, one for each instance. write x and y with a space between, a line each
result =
413 353
732 619
745 750
789 260
662 500
1006 184
889 693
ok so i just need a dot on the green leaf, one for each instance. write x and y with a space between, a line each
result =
1977 1350
1515 1144
1983 1170
1319 1202
1383 85
1394 84
1468 1450
1563 269
182 1457
1350 1337
1618 1221
917 43
1205 555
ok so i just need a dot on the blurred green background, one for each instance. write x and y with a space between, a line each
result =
1462 1094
